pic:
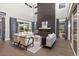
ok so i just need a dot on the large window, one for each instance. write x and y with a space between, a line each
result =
75 30
23 26
61 5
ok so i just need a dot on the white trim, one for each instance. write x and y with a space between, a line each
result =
68 29
72 49
70 6
77 30
55 22
72 28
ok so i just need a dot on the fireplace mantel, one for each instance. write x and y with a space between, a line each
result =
44 31
45 28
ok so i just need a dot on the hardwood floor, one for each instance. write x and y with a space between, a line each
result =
60 48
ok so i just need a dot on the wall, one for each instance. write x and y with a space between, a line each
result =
17 10
63 12
46 12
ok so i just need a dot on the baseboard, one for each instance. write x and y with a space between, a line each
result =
7 38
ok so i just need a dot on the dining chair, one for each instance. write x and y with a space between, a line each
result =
26 42
15 40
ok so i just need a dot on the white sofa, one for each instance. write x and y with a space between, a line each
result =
50 39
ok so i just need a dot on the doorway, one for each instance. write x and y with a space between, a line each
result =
0 28
62 28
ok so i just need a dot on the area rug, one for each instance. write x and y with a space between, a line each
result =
35 48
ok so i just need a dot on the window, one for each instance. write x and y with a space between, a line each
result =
62 5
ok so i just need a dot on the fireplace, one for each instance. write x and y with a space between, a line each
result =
46 18
44 31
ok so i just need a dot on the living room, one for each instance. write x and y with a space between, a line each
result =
31 29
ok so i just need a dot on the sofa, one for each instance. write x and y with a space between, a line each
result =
50 39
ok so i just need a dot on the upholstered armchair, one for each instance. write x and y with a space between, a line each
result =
37 39
25 42
50 39
15 40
